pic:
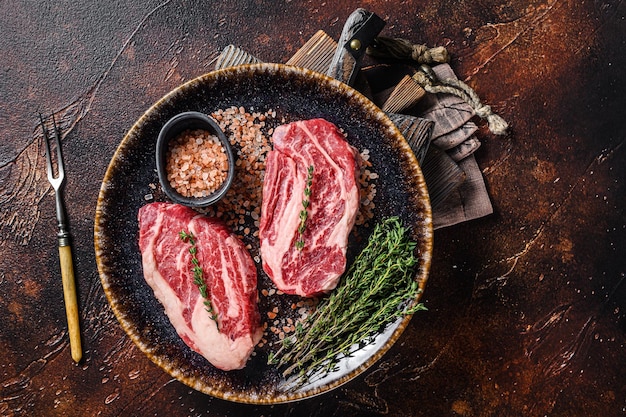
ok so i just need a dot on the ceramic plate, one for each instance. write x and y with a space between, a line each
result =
294 94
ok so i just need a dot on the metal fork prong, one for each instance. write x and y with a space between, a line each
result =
55 182
44 130
57 140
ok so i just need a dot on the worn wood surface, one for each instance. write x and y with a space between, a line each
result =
526 306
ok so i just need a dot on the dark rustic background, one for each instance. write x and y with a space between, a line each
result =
526 306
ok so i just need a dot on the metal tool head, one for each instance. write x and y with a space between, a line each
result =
57 181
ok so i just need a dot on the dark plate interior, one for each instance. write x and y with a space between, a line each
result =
294 94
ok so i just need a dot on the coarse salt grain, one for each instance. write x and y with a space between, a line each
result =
196 163
247 133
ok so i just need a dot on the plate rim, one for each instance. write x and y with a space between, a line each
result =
421 275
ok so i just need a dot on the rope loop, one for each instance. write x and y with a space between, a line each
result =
398 48
427 79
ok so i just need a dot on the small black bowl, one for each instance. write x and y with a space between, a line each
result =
172 129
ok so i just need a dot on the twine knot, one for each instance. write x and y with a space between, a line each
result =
427 79
483 111
397 48
425 55
497 124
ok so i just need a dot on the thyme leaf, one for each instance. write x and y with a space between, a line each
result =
198 278
377 289
305 204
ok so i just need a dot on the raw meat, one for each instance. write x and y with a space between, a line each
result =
228 271
334 203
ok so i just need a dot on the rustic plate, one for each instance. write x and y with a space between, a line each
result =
294 94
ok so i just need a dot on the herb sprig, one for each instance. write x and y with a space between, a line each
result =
198 278
378 288
305 205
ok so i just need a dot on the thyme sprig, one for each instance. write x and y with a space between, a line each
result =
305 205
198 278
376 290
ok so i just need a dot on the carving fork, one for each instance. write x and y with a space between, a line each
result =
65 250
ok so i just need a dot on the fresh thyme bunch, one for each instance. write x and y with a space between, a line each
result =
378 288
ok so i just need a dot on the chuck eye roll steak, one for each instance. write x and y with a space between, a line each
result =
227 335
308 155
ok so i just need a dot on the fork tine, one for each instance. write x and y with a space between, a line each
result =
47 144
58 146
55 181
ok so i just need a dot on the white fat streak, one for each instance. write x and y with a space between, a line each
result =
288 224
172 305
230 292
217 347
181 262
227 279
351 198
343 227
148 259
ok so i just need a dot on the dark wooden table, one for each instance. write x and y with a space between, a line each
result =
526 311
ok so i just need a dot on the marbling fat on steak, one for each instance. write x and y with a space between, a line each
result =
228 271
315 267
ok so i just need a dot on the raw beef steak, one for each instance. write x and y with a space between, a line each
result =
228 271
316 266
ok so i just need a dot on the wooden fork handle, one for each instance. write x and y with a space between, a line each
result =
71 303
